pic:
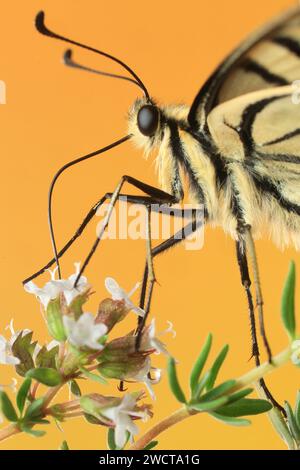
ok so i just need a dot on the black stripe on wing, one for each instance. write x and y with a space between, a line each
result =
284 138
250 65
288 43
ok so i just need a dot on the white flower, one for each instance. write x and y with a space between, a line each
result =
52 289
84 331
295 358
149 376
117 293
6 354
122 416
150 341
15 334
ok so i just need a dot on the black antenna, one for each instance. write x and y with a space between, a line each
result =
69 61
62 169
41 27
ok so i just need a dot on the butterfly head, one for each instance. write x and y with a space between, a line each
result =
145 124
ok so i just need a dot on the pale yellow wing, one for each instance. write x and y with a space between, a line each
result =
269 58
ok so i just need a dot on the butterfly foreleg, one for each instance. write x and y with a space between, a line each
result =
241 249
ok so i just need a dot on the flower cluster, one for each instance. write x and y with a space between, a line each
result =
81 343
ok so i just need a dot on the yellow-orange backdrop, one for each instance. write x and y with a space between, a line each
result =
54 114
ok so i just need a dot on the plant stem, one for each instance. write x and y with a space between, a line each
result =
244 381
166 423
51 394
9 431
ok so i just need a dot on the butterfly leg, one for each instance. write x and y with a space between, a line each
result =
180 236
246 281
259 299
159 197
151 191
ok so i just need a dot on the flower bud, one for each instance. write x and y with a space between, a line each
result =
120 349
54 320
111 312
130 369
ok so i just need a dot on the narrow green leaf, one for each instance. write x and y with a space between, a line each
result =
33 432
288 302
231 421
33 411
201 385
200 363
7 408
46 376
297 409
39 421
94 377
210 405
217 366
245 407
218 391
239 395
111 444
75 389
151 445
64 446
295 430
174 383
22 394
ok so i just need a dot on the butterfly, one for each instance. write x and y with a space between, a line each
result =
238 146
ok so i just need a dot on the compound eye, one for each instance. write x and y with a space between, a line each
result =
148 119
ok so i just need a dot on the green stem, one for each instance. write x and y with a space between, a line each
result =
244 381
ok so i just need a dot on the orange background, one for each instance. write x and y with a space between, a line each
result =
54 114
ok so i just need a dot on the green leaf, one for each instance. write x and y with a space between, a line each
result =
297 409
231 421
239 395
47 358
295 430
210 405
7 408
46 376
64 446
245 407
111 444
22 349
22 394
218 391
201 385
91 376
200 363
288 302
75 389
173 381
33 432
151 445
34 410
217 366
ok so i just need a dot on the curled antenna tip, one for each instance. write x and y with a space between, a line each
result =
40 22
67 56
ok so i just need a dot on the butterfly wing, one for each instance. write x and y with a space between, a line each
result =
258 136
269 58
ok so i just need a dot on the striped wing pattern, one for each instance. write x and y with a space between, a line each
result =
269 58
247 111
